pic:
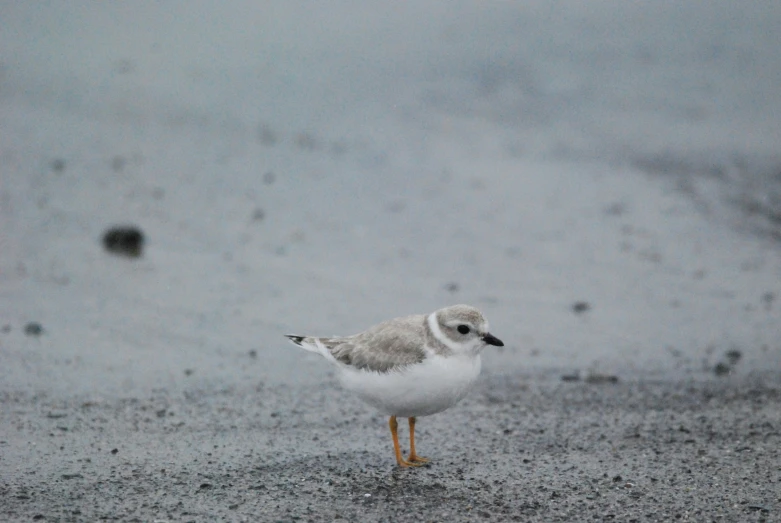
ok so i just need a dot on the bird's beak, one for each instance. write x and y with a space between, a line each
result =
492 340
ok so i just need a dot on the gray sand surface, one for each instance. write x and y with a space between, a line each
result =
518 449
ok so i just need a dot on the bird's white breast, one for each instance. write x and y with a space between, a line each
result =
417 390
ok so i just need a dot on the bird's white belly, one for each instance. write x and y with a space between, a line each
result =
418 390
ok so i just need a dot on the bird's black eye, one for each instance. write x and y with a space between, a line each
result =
463 329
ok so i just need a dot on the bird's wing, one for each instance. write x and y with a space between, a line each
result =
389 346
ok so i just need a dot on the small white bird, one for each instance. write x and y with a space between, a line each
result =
411 366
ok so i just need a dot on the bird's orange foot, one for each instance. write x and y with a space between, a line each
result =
403 463
420 460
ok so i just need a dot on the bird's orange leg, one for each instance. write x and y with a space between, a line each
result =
413 457
394 427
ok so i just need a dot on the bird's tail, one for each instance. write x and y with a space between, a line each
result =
312 344
305 342
296 340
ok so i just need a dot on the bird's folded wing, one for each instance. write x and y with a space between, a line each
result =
389 346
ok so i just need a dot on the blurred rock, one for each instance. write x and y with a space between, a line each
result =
124 241
599 379
58 165
266 135
721 369
579 307
33 329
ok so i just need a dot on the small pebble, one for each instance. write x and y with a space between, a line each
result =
33 329
306 141
72 476
114 451
768 299
580 307
598 379
118 163
615 209
721 369
266 135
58 165
124 241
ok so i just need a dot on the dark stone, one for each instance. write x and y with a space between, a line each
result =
615 209
733 356
124 241
721 369
266 135
768 299
58 165
580 307
599 379
306 141
114 451
72 476
118 163
33 329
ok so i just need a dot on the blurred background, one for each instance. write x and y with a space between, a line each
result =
602 179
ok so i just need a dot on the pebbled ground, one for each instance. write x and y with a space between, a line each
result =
518 449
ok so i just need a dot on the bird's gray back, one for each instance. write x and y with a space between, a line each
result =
387 346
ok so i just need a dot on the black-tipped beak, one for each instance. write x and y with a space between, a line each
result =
492 340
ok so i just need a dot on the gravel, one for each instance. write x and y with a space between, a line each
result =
520 448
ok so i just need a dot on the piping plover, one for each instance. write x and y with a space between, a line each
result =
411 366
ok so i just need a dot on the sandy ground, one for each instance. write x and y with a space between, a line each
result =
599 178
521 448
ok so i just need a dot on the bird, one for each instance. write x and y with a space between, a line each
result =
411 366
